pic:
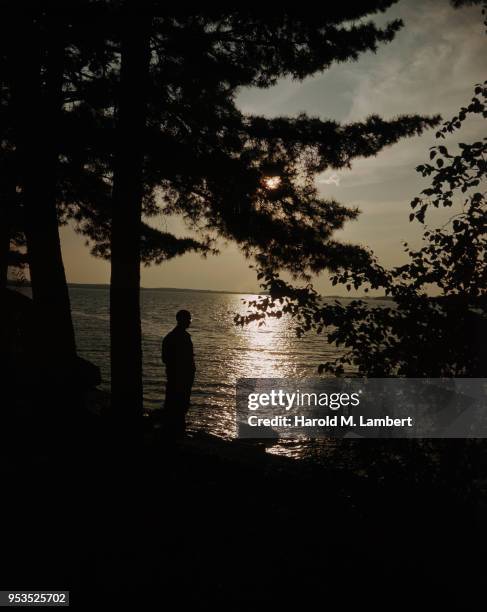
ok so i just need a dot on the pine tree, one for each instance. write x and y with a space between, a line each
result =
35 52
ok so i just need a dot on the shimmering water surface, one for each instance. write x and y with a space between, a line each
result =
223 351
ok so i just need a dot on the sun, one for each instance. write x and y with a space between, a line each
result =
272 182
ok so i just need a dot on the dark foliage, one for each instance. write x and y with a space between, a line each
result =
415 334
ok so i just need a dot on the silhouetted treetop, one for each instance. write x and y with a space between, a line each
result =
416 334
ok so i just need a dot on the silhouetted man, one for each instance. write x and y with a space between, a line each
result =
178 357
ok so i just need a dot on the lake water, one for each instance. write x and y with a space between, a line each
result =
223 351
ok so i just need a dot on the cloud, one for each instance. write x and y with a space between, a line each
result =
333 179
430 67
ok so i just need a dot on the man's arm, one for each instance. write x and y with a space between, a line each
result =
192 355
165 350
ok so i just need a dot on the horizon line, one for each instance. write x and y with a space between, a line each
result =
230 291
172 289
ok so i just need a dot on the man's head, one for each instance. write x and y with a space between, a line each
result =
183 317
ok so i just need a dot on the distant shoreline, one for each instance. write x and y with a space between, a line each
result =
107 286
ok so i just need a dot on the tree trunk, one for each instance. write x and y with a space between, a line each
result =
5 231
125 327
38 107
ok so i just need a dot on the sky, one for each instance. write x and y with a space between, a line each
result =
430 67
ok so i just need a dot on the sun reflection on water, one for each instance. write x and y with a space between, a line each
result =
266 347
